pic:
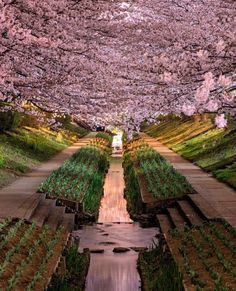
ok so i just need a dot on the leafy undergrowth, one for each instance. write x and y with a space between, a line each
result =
210 148
227 175
159 271
24 148
28 254
80 178
163 181
76 270
206 255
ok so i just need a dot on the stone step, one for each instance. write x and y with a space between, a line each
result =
26 210
55 217
203 206
42 211
68 221
177 218
164 222
189 212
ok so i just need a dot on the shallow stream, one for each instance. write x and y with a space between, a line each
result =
109 271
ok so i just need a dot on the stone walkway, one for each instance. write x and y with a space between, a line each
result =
220 196
14 196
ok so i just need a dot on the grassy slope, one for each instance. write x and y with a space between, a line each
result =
210 148
26 147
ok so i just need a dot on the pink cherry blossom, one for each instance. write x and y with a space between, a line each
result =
212 106
118 62
188 109
220 121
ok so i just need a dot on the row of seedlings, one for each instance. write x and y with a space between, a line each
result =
206 255
28 254
198 258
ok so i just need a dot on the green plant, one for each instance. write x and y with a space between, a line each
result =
9 120
159 271
132 190
80 178
76 270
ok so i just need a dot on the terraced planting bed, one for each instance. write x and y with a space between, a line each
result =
80 178
28 254
206 255
197 258
101 143
148 174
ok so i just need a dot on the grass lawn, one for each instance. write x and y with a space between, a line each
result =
24 148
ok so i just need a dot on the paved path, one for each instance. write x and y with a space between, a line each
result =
13 196
219 195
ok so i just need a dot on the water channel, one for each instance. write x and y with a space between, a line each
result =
109 271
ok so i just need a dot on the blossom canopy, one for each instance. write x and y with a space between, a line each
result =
119 62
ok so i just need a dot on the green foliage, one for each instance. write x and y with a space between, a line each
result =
163 180
227 175
66 121
76 270
9 120
23 149
210 148
132 190
159 271
72 127
105 135
207 250
48 254
175 131
80 178
16 241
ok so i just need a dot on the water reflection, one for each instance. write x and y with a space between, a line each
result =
113 204
111 271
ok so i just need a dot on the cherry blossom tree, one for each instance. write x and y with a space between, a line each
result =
116 62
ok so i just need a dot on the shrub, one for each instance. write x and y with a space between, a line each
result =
9 120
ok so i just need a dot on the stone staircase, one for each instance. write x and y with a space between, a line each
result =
193 210
45 211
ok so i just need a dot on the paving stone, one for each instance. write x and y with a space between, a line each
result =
96 251
121 250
